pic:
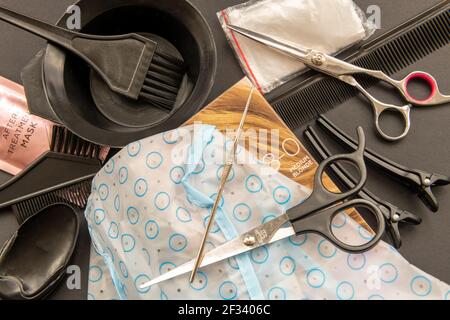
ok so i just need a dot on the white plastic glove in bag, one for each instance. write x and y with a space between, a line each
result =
326 25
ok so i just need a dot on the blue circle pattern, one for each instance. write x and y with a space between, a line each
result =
140 187
133 149
238 209
385 266
341 286
214 196
113 231
174 171
294 240
103 191
168 265
201 281
315 273
232 262
117 203
128 242
133 215
123 175
357 267
364 233
251 188
215 227
123 269
171 140
276 195
178 242
154 160
276 293
140 280
109 167
259 255
99 216
165 198
268 218
228 290
336 225
289 262
99 275
321 251
183 215
219 173
151 234
200 167
414 290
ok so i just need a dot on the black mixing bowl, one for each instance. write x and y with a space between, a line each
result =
85 106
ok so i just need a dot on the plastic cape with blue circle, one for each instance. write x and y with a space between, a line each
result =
148 211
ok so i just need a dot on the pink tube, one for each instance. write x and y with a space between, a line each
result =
23 137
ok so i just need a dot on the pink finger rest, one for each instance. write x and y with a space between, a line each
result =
424 76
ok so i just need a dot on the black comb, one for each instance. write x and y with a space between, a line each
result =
73 163
75 195
300 102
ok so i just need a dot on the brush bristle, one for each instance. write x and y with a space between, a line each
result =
325 93
163 81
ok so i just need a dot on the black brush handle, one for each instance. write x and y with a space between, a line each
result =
39 28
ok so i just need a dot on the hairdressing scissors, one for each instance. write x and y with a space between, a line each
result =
225 175
343 71
315 215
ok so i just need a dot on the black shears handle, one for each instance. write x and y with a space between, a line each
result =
316 214
392 214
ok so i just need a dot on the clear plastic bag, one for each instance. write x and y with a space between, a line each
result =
327 25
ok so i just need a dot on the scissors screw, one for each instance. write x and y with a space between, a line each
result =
249 241
427 182
318 59
396 218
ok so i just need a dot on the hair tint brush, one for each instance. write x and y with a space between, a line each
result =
130 64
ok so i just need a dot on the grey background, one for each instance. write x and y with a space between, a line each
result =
426 147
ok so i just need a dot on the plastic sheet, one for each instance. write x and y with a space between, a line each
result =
148 211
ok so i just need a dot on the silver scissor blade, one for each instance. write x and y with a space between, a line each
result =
269 232
295 51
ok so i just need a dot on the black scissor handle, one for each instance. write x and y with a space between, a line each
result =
321 197
356 158
322 224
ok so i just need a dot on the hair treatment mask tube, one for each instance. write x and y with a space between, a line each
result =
23 137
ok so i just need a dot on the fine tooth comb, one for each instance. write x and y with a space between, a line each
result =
310 95
34 189
130 64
